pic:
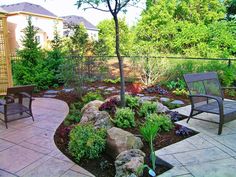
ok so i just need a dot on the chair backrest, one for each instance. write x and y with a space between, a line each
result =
15 90
204 83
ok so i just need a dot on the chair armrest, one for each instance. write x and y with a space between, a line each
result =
218 99
9 99
26 95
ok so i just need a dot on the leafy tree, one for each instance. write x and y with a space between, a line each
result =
114 7
231 9
79 39
107 33
31 69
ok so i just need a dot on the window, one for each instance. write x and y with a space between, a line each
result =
37 38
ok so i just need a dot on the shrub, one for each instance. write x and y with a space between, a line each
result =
182 130
131 102
109 106
147 108
124 118
86 142
180 92
91 96
74 115
163 121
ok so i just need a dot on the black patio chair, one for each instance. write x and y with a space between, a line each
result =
17 104
206 95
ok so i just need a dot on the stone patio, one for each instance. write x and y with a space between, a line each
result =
27 148
205 154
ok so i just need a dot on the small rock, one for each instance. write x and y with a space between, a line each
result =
161 108
117 97
178 102
128 162
119 140
164 99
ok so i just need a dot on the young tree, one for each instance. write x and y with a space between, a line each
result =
114 7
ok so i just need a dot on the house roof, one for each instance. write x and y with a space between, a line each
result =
3 11
76 20
27 7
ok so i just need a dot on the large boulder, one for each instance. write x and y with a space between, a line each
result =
91 114
128 163
119 140
93 104
161 108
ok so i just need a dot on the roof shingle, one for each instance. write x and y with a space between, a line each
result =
27 7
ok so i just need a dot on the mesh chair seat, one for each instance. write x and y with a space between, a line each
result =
14 108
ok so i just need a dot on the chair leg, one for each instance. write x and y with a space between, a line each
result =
32 117
190 115
220 129
5 120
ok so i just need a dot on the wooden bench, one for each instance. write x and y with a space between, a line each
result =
206 95
17 103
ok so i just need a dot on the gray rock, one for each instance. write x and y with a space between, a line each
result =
103 120
178 102
164 99
119 140
140 95
161 108
102 87
114 96
128 162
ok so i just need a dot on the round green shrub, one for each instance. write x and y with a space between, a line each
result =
86 142
124 118
147 108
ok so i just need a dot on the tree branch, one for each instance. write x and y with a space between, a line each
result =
110 9
94 7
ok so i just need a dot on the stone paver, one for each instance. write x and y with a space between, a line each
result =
205 154
27 148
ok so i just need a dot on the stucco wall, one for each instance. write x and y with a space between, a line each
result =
17 23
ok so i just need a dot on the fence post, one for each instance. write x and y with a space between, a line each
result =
229 63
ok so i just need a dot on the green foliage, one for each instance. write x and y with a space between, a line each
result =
147 108
179 84
74 115
107 34
124 118
180 92
228 77
112 81
131 101
86 142
91 96
171 105
149 130
162 121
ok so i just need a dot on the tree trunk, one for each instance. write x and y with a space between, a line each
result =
120 59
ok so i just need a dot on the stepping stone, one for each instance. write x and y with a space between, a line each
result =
68 90
49 96
110 89
102 87
140 95
147 98
164 99
178 102
51 92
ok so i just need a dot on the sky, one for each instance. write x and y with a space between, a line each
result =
67 7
